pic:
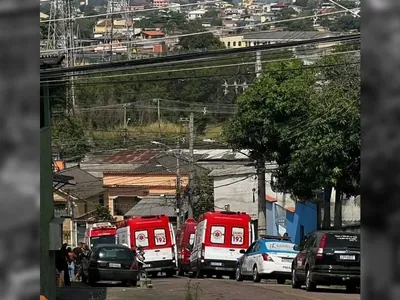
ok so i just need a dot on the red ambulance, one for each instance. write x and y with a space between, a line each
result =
100 233
217 243
184 241
156 235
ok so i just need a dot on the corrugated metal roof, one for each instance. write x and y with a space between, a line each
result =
234 170
154 205
288 35
132 156
219 154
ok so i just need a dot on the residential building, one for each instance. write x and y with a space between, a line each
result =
233 41
196 14
160 3
273 37
156 177
104 26
78 202
151 34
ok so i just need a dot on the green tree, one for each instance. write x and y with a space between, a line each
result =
102 214
309 127
301 25
204 195
68 137
346 23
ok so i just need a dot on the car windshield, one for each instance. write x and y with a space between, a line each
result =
115 253
105 239
343 240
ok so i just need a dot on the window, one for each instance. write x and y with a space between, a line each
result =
142 238
229 44
234 44
191 238
104 239
309 242
239 43
237 236
115 253
343 240
257 247
217 234
159 237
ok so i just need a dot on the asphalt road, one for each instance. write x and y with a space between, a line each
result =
207 289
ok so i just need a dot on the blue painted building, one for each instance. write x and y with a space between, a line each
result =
298 221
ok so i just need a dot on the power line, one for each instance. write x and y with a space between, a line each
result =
206 67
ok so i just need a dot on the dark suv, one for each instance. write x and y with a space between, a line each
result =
328 258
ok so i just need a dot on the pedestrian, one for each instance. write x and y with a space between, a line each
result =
78 261
71 263
84 262
62 263
286 236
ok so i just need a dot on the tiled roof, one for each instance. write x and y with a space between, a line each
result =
153 33
270 198
86 185
131 156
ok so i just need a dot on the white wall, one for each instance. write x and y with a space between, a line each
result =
238 195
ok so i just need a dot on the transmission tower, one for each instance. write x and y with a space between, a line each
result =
61 40
60 37
109 31
128 27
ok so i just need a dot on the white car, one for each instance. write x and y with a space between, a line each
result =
267 258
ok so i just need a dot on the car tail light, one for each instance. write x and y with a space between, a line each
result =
203 251
266 257
320 251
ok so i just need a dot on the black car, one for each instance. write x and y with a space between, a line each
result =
328 258
110 262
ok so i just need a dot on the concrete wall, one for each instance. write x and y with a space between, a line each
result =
47 257
228 190
306 215
271 226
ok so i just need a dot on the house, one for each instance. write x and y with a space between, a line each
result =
77 202
153 34
160 3
298 220
273 37
233 41
156 177
196 14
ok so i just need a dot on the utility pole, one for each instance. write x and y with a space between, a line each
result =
125 125
258 64
262 204
191 162
178 187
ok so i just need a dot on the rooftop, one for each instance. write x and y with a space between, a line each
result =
131 156
288 35
154 205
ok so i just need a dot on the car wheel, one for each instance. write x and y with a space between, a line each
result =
239 276
256 275
281 280
310 286
169 274
295 283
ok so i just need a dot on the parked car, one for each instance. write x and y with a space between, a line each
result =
110 262
270 257
184 242
328 258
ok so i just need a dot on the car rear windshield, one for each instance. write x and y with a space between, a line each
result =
343 240
115 253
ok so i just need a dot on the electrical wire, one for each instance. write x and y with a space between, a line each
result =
129 12
203 67
174 37
180 57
